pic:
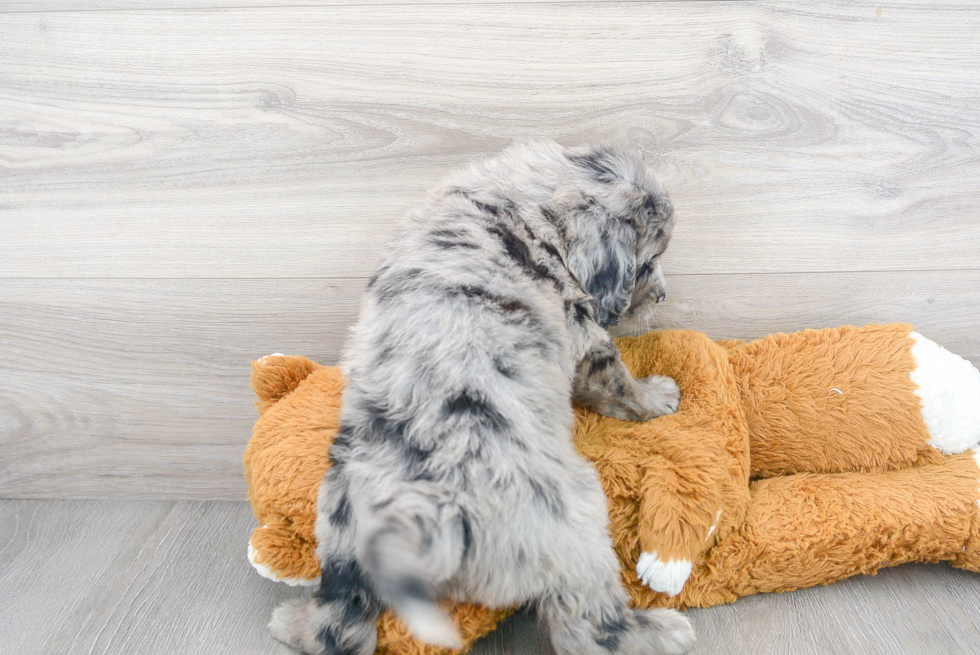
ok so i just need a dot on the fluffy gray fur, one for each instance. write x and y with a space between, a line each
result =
453 473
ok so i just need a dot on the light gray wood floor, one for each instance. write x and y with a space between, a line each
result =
166 577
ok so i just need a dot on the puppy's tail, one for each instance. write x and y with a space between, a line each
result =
415 543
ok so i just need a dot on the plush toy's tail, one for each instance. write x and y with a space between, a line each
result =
413 545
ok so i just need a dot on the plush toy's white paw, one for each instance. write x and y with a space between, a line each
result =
262 359
266 572
949 387
666 577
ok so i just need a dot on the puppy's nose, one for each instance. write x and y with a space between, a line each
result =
660 298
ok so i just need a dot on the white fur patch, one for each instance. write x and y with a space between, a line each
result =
272 355
266 572
430 624
666 577
949 387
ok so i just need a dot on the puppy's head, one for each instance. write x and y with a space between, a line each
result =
618 221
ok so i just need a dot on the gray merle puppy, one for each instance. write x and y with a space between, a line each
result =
453 473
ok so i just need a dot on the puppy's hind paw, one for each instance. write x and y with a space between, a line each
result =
292 623
661 395
315 628
667 632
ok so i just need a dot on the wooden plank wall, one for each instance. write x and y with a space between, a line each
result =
188 185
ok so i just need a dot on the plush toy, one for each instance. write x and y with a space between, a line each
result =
793 461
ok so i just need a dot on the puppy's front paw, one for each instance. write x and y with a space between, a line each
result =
661 396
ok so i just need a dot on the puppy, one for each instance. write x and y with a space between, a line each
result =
453 473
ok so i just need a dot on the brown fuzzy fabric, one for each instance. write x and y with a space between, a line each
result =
840 481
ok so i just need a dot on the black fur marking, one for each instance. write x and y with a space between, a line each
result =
384 503
344 582
381 427
547 493
502 367
541 346
415 458
446 243
493 210
427 535
396 284
380 424
556 222
467 403
600 170
644 271
413 588
520 254
339 449
584 311
340 518
374 278
505 206
600 363
551 250
507 305
329 642
467 534
611 632
339 581
605 284
384 355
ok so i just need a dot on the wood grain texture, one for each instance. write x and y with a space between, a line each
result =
17 6
132 577
157 578
288 141
140 388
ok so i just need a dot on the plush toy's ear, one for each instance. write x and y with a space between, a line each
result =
601 254
275 376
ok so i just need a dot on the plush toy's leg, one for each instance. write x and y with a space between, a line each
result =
969 557
874 398
693 483
810 529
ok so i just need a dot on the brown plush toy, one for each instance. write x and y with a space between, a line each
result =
793 461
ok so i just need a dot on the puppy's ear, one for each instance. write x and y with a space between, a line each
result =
601 254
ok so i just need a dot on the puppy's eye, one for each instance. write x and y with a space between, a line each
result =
644 270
